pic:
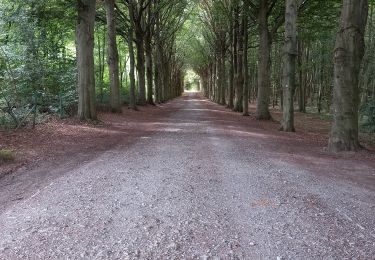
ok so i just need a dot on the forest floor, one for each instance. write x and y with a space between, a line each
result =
187 179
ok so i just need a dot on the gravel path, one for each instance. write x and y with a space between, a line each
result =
201 187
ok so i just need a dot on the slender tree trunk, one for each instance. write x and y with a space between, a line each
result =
238 106
158 60
245 60
101 50
85 59
149 62
235 53
141 67
223 72
264 67
231 69
149 69
132 98
289 65
301 85
157 79
113 59
348 55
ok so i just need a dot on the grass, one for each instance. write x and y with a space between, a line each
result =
7 156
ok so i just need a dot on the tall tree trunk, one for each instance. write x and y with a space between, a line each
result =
222 72
132 98
113 59
239 75
289 65
231 69
85 59
235 52
101 60
264 67
157 79
301 83
149 61
149 74
245 59
158 59
141 66
348 55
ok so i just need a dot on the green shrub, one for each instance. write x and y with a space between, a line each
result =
7 156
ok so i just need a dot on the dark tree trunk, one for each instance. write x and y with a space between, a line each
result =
348 55
113 59
141 68
85 59
132 98
239 79
149 61
245 60
264 66
289 65
301 83
223 78
231 69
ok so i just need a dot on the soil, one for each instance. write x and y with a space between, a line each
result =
187 179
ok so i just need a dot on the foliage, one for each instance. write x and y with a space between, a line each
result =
7 156
37 59
367 112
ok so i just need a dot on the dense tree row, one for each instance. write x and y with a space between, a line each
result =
149 28
125 52
253 54
279 53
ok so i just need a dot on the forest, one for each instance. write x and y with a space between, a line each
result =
71 58
187 129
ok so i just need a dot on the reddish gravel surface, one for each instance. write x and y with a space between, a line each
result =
188 179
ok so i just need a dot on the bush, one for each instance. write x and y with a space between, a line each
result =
7 156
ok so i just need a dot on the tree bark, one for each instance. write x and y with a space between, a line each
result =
264 67
101 61
113 58
223 78
231 69
141 67
245 60
301 83
149 62
85 59
238 106
132 98
348 55
289 65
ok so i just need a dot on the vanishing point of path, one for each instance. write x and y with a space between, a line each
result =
206 184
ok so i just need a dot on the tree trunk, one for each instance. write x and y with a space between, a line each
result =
85 59
132 98
235 53
301 83
348 55
149 74
141 67
148 50
264 67
239 74
101 60
231 69
223 73
113 58
289 65
245 60
158 57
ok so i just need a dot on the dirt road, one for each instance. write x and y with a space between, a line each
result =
202 183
